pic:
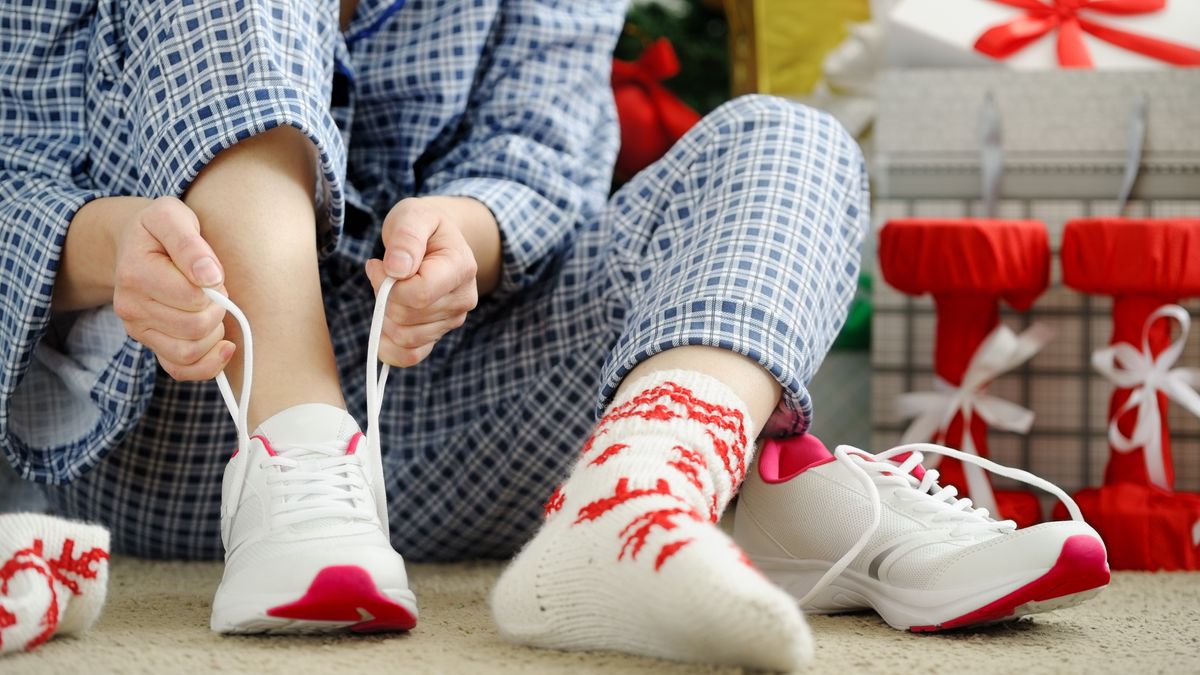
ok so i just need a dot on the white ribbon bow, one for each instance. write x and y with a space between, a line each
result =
933 411
1128 368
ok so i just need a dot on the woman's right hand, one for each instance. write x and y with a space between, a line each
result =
162 265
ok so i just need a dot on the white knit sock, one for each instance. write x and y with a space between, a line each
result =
53 578
630 558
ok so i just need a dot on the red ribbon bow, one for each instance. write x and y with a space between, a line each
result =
1006 39
652 118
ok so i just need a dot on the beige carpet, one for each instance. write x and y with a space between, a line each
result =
156 621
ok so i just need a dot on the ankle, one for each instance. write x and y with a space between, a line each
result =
266 409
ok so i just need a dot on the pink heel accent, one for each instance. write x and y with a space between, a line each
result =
348 593
783 459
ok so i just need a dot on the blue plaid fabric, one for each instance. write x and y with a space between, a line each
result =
745 236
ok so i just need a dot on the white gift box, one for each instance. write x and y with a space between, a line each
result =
942 33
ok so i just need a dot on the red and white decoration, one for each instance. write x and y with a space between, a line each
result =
630 557
969 265
1146 265
53 578
1045 34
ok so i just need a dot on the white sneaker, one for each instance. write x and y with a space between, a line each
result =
849 531
304 520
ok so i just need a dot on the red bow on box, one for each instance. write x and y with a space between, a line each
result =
1008 38
652 118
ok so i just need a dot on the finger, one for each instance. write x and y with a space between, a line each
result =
411 337
181 352
376 273
460 301
181 324
406 233
205 368
159 279
402 357
175 226
440 274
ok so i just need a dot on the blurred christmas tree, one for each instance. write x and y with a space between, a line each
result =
699 32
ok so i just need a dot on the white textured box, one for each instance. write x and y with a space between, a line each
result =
942 33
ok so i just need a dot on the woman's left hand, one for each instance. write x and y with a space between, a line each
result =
436 268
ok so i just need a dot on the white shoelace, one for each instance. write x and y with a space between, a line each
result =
927 496
315 480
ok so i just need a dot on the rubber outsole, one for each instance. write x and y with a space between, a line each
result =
340 598
1080 572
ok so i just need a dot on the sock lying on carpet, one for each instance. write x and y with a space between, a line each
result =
53 577
630 557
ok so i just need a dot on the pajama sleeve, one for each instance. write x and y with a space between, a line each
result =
539 139
42 73
127 98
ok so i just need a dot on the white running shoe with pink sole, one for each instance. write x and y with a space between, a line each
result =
304 517
849 531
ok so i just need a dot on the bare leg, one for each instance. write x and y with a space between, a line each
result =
754 385
255 205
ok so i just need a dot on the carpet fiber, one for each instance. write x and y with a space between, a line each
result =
156 621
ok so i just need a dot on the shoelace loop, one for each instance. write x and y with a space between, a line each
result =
319 479
872 469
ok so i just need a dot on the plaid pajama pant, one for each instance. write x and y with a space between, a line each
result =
745 236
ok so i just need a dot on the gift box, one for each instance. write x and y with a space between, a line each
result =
1065 143
1045 34
778 46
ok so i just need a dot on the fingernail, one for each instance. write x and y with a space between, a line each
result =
227 351
207 272
399 264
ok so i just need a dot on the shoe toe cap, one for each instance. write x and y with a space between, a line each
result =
1026 552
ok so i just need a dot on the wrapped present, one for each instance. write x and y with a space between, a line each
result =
1065 150
651 117
968 266
779 46
1045 34
1146 265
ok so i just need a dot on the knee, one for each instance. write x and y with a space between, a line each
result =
809 152
771 121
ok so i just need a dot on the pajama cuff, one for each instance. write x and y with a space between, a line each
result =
530 227
57 423
205 127
736 325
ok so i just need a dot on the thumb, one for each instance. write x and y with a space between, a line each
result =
176 227
406 232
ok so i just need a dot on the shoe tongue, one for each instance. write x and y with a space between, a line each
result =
308 424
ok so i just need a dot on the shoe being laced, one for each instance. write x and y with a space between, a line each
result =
304 516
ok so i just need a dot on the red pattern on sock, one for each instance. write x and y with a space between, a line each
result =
650 405
668 551
30 559
608 452
81 566
647 405
51 570
694 467
555 503
623 494
7 619
645 523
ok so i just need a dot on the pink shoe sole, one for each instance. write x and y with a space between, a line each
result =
1082 566
347 593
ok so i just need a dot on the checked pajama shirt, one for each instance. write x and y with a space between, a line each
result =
745 236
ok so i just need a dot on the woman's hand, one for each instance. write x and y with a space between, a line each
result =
161 265
445 252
